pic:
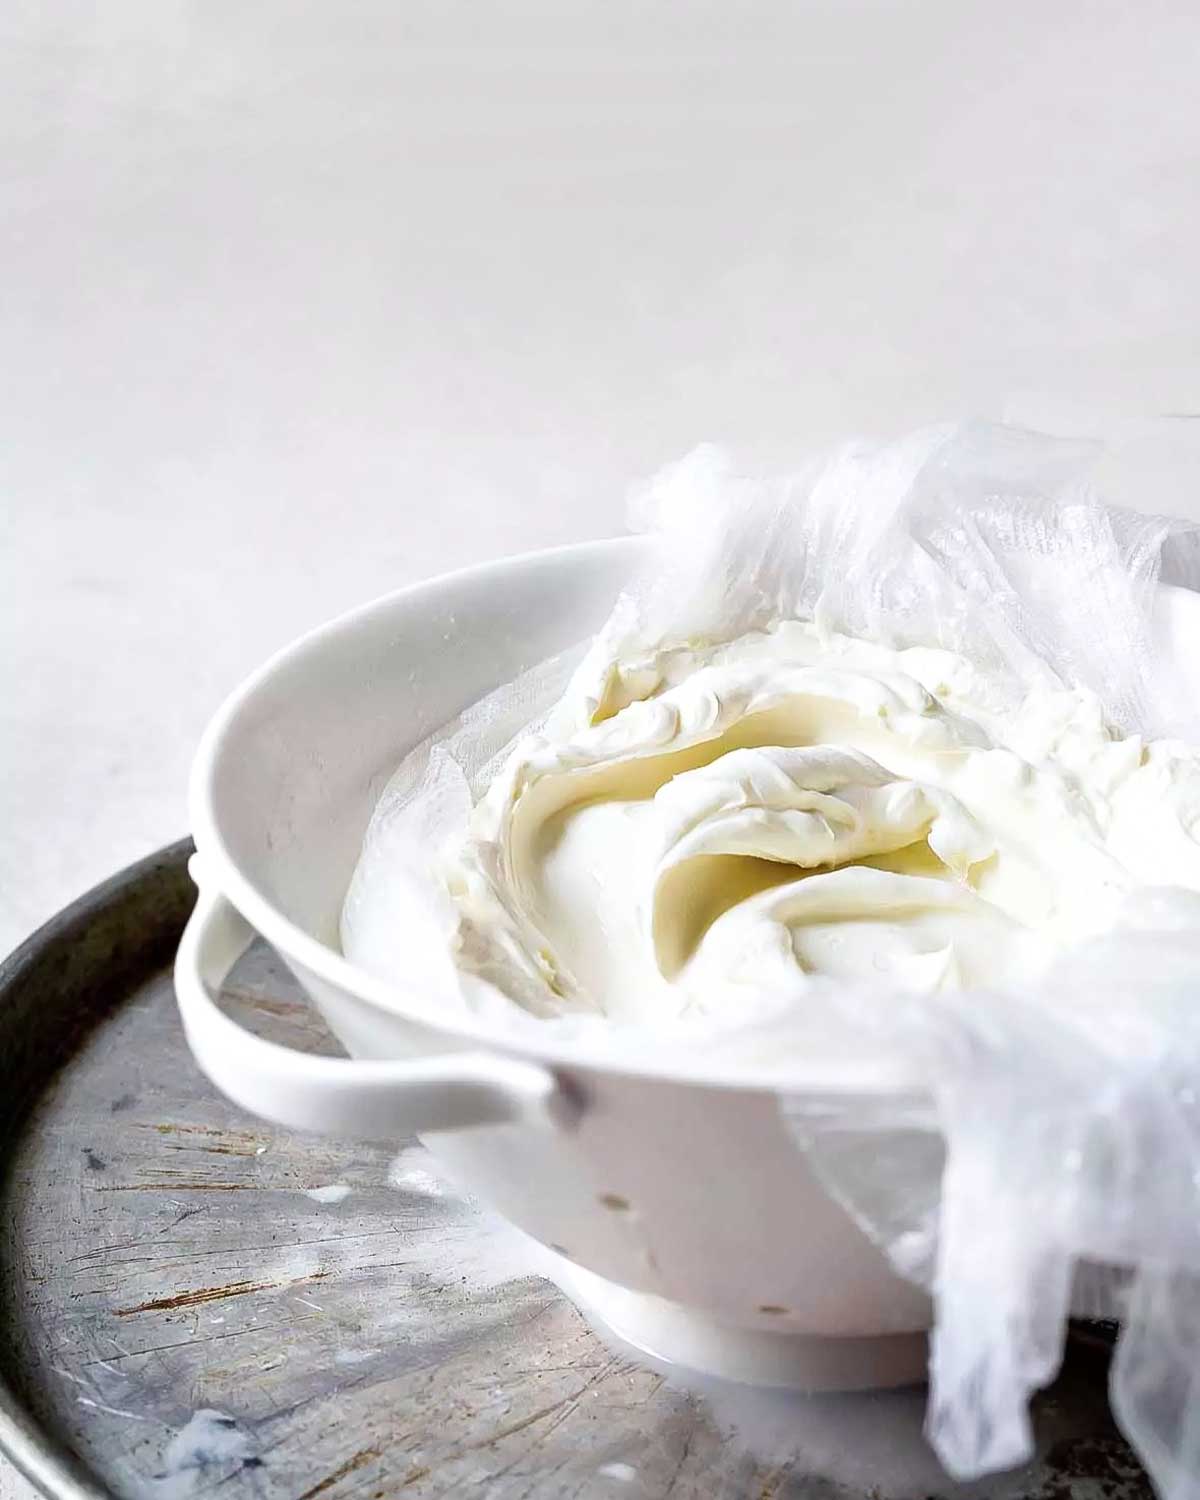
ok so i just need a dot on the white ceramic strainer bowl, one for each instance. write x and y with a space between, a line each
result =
677 1210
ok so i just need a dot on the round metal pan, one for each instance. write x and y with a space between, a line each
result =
193 1301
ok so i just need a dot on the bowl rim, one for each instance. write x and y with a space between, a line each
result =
220 871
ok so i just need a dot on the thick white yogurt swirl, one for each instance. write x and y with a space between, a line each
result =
702 829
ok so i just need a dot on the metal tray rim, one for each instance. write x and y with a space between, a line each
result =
32 1451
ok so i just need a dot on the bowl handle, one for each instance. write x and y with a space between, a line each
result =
360 1098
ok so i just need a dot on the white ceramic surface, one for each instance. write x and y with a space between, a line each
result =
683 1190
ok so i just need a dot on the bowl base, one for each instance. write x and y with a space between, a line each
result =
672 1334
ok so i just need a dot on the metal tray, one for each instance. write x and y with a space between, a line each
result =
193 1301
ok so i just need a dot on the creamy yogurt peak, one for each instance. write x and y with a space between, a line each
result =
701 829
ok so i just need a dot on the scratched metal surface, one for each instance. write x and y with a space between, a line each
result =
191 1300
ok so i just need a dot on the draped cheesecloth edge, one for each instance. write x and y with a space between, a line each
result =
1051 1130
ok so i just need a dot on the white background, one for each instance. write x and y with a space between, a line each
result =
301 301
